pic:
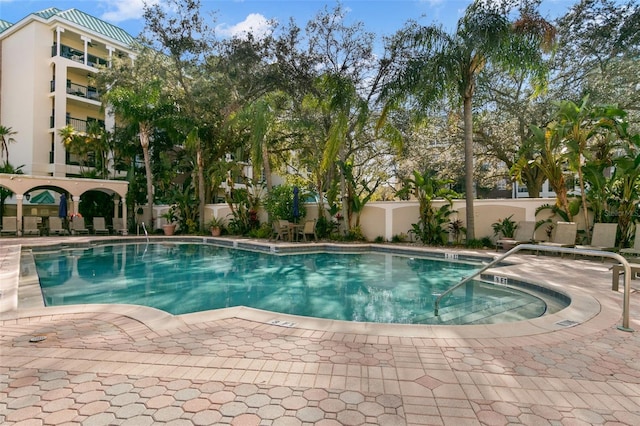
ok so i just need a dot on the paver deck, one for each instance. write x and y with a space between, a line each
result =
123 365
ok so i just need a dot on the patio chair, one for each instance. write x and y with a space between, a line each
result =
603 238
635 250
30 226
99 227
564 236
9 226
55 226
309 228
524 234
118 226
618 270
78 227
281 230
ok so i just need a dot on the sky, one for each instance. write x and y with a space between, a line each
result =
383 17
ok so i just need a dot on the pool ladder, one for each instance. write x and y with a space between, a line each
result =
538 248
146 234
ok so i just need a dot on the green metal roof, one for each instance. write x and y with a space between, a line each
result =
4 25
84 20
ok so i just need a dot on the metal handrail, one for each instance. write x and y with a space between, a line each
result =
144 228
539 247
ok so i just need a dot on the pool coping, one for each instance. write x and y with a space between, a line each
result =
583 310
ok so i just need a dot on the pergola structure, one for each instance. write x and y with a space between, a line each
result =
75 187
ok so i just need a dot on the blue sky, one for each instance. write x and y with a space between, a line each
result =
382 17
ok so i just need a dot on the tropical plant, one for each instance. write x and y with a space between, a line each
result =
6 137
505 227
550 159
170 215
431 227
4 192
581 127
278 203
625 191
457 229
440 65
216 222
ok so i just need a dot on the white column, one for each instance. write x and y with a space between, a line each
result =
125 223
76 204
110 49
86 40
19 197
59 31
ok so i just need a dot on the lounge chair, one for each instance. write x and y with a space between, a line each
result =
635 250
118 226
524 234
281 230
564 236
308 229
603 238
55 226
78 227
99 227
30 226
619 270
9 226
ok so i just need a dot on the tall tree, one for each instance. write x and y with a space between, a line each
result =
440 65
333 78
177 28
598 47
139 97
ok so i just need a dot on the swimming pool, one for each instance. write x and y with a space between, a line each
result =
372 287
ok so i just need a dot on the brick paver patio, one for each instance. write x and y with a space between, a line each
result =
116 365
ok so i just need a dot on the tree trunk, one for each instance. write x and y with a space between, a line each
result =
468 167
583 195
201 195
266 166
145 131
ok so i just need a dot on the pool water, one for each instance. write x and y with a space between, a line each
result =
373 287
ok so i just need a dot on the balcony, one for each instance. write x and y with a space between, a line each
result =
78 56
78 124
80 91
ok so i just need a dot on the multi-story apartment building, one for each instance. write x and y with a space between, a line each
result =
47 64
48 61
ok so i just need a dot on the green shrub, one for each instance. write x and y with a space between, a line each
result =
354 234
379 239
475 244
325 227
264 231
399 238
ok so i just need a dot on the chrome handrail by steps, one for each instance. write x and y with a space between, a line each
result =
537 248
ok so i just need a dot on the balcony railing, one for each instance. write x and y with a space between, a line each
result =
78 56
79 90
78 124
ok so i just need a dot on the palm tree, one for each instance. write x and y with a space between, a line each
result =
145 106
4 192
6 137
442 65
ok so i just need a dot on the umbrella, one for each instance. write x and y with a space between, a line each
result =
62 209
296 203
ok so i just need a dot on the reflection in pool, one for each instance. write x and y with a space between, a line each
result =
371 287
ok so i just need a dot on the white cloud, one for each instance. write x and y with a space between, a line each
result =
123 10
254 23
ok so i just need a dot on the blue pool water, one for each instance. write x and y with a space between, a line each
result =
183 278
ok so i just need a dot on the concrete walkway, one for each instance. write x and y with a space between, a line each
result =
124 365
